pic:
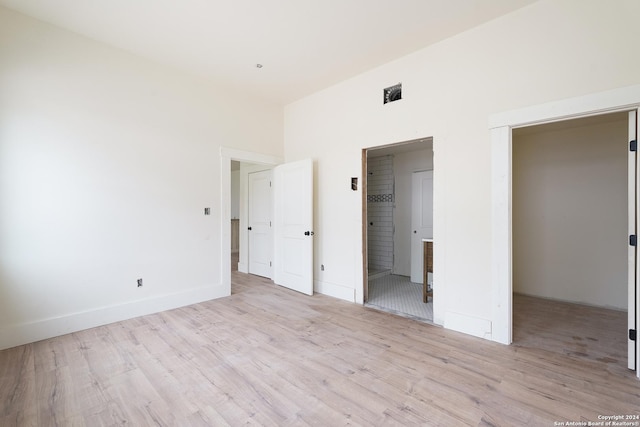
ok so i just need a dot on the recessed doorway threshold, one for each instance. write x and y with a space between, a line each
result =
398 295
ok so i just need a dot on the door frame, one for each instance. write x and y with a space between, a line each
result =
365 239
226 156
364 211
501 125
632 251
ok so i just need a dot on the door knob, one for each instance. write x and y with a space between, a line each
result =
249 228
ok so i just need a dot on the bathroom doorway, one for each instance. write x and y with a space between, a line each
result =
388 233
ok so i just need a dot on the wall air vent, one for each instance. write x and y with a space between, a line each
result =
392 93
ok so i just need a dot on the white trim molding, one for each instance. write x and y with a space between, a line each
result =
611 101
334 290
501 294
470 325
25 333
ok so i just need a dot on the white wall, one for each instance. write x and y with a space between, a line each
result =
570 211
106 164
449 91
404 165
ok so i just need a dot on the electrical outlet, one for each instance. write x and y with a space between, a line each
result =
139 283
321 267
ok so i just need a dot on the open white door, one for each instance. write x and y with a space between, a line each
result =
634 268
259 226
421 219
293 215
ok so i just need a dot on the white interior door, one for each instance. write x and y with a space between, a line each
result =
293 215
421 219
633 359
259 224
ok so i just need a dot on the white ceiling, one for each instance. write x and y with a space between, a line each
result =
304 45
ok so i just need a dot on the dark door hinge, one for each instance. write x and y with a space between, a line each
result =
632 334
633 240
633 145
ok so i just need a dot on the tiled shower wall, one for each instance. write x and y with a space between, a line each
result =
380 198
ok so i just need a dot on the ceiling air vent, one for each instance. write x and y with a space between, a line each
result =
392 93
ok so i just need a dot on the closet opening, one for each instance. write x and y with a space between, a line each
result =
570 242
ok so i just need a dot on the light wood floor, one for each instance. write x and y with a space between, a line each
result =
270 356
582 332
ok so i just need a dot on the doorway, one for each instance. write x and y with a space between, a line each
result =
388 233
569 225
229 157
626 99
292 249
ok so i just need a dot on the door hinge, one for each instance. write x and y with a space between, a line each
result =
633 145
633 240
269 263
632 334
270 181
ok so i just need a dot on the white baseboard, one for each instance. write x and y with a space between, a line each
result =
468 324
243 268
333 290
14 335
